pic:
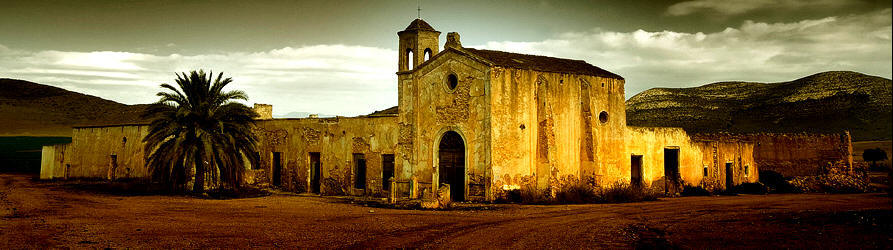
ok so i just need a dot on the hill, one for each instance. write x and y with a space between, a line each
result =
32 109
827 102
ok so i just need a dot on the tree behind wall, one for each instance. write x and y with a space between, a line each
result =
198 131
874 155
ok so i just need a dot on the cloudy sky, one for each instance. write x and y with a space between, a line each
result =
339 57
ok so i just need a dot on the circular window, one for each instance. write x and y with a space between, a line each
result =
452 81
603 116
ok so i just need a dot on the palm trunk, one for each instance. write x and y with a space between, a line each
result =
199 184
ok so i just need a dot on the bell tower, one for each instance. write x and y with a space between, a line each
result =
418 43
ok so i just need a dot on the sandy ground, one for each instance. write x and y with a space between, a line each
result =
41 215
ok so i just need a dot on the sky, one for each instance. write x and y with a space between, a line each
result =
339 57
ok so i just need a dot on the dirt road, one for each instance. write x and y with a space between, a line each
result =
40 215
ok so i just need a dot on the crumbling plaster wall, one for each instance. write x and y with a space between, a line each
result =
336 139
798 154
91 148
429 108
546 131
52 162
694 155
716 153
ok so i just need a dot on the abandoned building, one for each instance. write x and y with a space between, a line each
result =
485 122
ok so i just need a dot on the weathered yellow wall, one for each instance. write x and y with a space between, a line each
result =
89 153
650 142
428 109
52 163
562 139
336 139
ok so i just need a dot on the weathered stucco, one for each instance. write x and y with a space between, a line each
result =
52 162
336 140
546 130
107 152
651 143
797 154
431 109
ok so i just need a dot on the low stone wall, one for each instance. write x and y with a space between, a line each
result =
797 154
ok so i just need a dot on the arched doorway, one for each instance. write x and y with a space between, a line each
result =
452 164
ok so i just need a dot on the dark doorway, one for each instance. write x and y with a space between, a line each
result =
636 171
671 169
730 181
315 172
277 168
452 164
359 162
387 171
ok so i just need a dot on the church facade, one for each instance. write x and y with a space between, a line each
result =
484 122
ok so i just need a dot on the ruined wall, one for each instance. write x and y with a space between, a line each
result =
110 152
694 155
52 162
264 111
429 108
336 140
802 154
546 130
721 155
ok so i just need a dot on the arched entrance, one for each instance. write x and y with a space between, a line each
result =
452 164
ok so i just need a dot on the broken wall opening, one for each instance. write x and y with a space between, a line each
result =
387 171
636 179
359 171
730 177
671 170
315 172
277 169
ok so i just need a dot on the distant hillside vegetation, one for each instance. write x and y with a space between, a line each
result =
824 102
32 109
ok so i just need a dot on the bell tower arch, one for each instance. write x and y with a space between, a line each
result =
418 42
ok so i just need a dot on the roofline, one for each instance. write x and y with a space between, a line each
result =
491 64
411 31
612 74
461 52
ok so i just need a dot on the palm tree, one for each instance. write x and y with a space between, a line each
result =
200 127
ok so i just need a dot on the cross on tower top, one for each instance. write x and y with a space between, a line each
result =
420 9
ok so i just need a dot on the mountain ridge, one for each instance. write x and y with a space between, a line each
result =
33 109
826 102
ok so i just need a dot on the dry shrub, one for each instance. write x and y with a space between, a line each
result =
508 196
622 192
619 192
576 193
835 181
530 195
750 188
776 182
688 190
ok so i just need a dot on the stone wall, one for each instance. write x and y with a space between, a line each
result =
802 154
336 140
112 152
694 156
264 111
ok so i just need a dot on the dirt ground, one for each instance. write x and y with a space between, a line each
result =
40 215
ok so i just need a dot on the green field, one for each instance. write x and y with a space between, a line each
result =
22 153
